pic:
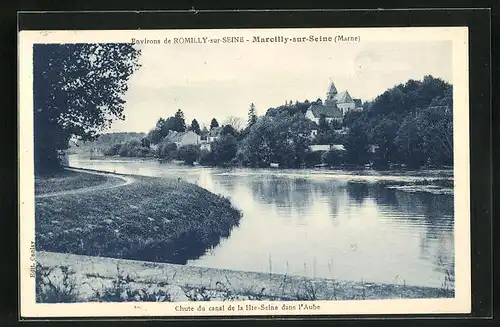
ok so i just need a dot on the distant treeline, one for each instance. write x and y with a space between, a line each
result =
104 142
409 125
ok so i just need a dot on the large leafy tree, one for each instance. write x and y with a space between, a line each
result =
236 122
78 91
283 139
224 149
164 126
383 135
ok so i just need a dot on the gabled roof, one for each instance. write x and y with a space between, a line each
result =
330 111
216 131
174 136
343 97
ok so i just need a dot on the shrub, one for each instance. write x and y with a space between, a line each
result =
123 151
113 150
206 158
167 151
313 158
333 158
224 149
189 153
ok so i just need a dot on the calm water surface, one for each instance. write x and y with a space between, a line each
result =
335 224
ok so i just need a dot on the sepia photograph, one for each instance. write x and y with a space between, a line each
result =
244 172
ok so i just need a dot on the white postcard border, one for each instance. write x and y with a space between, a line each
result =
460 304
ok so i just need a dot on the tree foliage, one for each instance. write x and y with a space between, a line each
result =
252 115
195 127
189 153
214 123
410 124
78 91
236 122
224 150
283 139
164 126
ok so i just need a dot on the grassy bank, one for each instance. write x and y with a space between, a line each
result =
65 180
74 278
152 219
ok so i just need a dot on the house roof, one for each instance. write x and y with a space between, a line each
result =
216 131
330 111
174 136
343 97
357 102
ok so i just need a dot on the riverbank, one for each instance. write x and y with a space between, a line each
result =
65 180
145 218
76 278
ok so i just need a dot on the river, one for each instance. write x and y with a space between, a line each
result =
335 224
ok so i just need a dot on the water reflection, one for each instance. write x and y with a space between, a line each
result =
357 191
324 225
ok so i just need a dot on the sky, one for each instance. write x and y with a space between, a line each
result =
223 80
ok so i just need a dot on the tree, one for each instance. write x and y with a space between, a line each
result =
228 130
323 125
237 122
167 151
164 126
411 144
154 136
283 139
214 123
145 142
383 136
78 91
252 115
189 153
179 122
332 158
195 127
204 133
436 129
224 149
357 143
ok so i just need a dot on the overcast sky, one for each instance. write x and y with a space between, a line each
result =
222 80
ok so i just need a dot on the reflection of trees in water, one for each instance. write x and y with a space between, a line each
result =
357 191
294 193
433 213
331 190
228 183
434 207
443 258
297 194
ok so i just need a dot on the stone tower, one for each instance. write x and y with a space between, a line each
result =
330 95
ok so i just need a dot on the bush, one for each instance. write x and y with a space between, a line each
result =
224 150
206 158
167 151
123 151
189 153
313 158
132 148
113 150
333 158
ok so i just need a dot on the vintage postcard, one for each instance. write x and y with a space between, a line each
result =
244 172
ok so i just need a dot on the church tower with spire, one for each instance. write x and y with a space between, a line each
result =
335 106
330 95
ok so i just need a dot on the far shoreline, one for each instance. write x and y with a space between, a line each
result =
347 168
